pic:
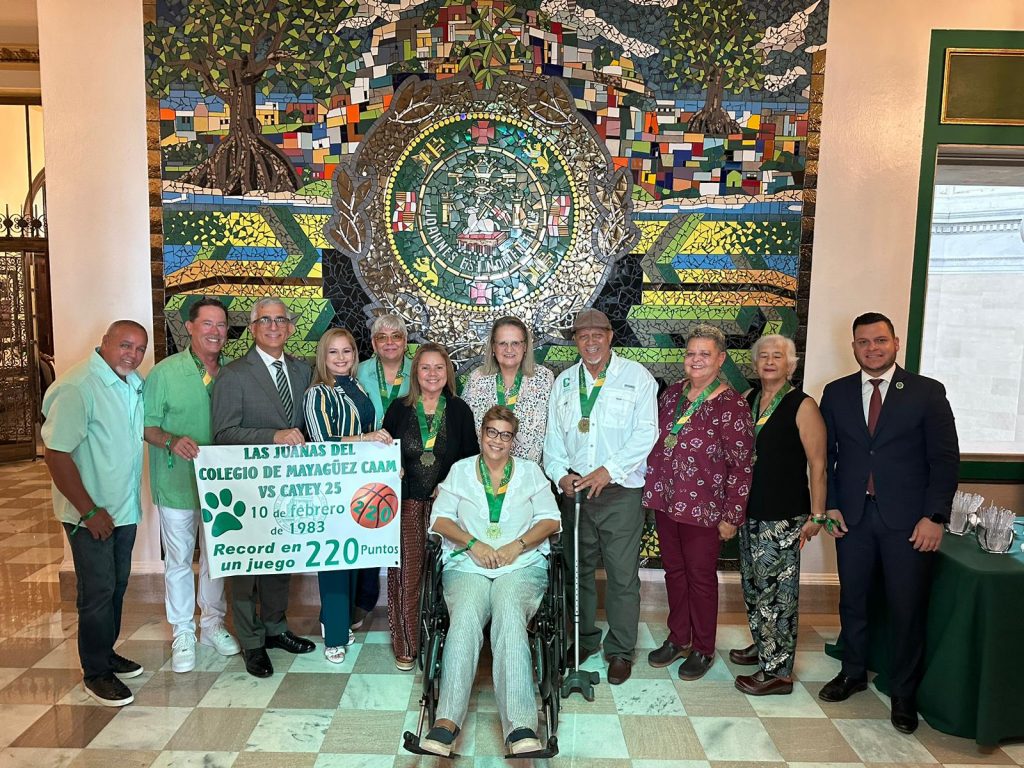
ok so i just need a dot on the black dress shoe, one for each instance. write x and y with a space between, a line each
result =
841 687
745 657
286 641
904 714
257 662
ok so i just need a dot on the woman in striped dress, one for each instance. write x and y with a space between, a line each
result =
338 410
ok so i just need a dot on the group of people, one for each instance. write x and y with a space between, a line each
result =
498 471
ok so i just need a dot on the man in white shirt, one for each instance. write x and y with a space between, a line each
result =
602 424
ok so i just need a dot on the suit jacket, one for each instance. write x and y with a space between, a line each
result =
914 453
247 408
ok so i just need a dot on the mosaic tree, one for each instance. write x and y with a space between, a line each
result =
229 48
712 45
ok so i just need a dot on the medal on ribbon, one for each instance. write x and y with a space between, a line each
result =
429 432
761 418
387 395
510 398
495 499
587 401
681 417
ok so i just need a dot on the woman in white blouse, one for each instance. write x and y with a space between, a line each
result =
509 376
494 514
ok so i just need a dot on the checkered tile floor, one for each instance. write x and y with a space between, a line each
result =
313 714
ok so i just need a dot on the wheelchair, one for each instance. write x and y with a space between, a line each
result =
548 646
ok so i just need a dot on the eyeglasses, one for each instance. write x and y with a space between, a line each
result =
383 338
505 437
514 345
266 322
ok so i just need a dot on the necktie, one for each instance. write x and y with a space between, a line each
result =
874 410
282 389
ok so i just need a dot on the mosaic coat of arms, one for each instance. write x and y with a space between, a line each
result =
462 205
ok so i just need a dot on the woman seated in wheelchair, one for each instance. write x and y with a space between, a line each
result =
495 515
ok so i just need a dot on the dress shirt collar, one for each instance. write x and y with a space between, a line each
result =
886 377
269 360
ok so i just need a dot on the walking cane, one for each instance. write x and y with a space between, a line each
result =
576 679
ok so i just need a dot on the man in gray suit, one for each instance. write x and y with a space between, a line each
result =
257 400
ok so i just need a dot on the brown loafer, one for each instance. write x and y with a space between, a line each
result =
761 684
619 670
745 657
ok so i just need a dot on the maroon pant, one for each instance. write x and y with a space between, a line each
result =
689 554
404 583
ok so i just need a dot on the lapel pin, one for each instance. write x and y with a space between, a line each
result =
899 385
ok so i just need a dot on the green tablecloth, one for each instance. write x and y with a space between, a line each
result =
973 685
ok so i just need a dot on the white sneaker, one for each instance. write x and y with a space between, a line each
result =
183 653
221 640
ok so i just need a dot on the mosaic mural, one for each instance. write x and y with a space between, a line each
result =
454 161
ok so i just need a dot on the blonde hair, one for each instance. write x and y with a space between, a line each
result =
323 376
490 366
414 380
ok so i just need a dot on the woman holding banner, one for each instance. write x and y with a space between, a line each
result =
338 410
436 430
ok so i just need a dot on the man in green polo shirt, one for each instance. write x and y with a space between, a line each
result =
93 437
177 398
385 377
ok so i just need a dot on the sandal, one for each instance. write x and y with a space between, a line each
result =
439 740
335 654
523 740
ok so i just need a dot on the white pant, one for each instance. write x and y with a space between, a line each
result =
178 528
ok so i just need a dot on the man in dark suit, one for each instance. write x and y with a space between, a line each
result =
893 460
257 400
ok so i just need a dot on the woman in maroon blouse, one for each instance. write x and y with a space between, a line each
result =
698 478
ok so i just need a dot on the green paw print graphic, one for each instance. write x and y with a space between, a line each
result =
226 519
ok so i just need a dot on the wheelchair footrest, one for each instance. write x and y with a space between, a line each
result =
411 743
549 751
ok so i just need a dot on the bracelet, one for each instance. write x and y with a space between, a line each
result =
819 520
523 543
469 546
87 516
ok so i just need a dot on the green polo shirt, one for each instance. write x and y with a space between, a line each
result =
94 415
178 402
367 376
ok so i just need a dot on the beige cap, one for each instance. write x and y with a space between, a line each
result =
591 318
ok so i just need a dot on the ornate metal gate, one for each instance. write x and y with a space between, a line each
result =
19 356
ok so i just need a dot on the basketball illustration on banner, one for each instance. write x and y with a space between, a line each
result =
374 505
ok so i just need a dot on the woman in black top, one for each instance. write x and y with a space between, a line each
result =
436 430
782 514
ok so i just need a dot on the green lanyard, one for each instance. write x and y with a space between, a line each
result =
512 397
587 401
205 375
763 418
495 499
208 380
681 417
386 397
429 434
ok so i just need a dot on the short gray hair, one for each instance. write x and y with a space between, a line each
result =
389 323
705 331
268 301
783 341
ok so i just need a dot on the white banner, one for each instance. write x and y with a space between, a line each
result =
289 509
